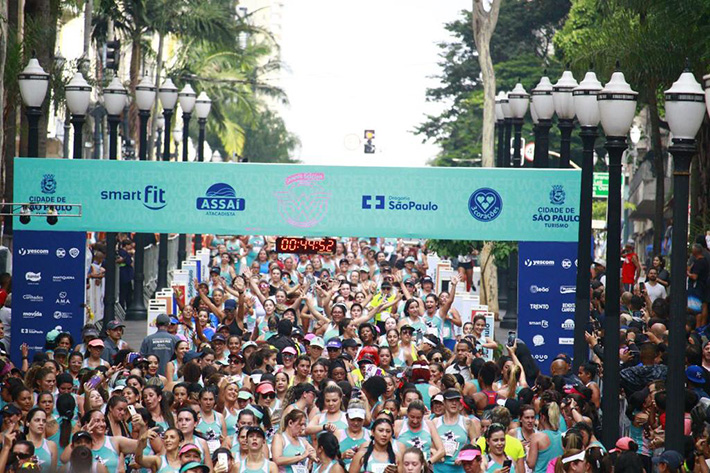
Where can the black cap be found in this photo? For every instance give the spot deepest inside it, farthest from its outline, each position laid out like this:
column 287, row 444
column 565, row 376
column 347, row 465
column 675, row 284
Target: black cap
column 218, row 337
column 254, row 429
column 10, row 410
column 350, row 343
column 386, row 284
column 426, row 279
column 450, row 394
column 82, row 434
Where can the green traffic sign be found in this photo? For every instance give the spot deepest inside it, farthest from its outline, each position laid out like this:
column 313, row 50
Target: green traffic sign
column 600, row 185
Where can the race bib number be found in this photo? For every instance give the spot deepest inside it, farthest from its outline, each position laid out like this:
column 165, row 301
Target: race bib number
column 451, row 447
column 299, row 468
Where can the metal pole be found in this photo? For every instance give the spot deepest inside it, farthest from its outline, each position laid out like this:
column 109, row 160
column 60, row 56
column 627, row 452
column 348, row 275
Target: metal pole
column 137, row 309
column 584, row 248
column 501, row 143
column 542, row 156
column 566, row 126
column 683, row 152
column 200, row 158
column 536, row 150
column 518, row 124
column 182, row 239
column 163, row 247
column 508, row 122
column 110, row 294
column 615, row 145
column 33, row 114
column 510, row 320
column 78, row 122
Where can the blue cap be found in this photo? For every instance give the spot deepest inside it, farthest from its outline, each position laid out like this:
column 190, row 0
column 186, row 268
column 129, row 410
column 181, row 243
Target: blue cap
column 191, row 355
column 334, row 343
column 671, row 458
column 230, row 304
column 694, row 373
column 174, row 321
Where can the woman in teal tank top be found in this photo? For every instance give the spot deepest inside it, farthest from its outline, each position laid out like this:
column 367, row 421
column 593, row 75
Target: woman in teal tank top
column 333, row 418
column 289, row 450
column 546, row 444
column 167, row 463
column 103, row 446
column 255, row 461
column 45, row 451
column 495, row 446
column 211, row 424
column 352, row 438
column 382, row 453
column 455, row 432
column 416, row 431
column 328, row 453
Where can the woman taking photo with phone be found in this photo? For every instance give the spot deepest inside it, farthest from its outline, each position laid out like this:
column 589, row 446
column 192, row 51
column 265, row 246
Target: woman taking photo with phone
column 352, row 438
column 497, row 460
column 166, row 463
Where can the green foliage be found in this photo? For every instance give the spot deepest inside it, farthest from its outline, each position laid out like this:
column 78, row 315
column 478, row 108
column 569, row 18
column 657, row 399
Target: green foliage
column 520, row 51
column 268, row 140
column 453, row 248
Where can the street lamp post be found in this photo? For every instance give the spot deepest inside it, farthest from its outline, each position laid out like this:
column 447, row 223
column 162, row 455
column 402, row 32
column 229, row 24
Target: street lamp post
column 187, row 98
column 34, row 82
column 587, row 111
column 544, row 106
column 500, row 125
column 685, row 110
column 617, row 106
column 536, row 131
column 202, row 108
column 507, row 125
column 145, row 96
column 564, row 106
column 518, row 99
column 168, row 95
column 78, row 93
column 115, row 99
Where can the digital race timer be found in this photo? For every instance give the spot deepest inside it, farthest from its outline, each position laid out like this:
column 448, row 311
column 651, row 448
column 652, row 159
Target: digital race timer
column 305, row 245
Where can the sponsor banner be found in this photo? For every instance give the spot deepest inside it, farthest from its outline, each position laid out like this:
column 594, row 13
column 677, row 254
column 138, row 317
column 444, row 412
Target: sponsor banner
column 275, row 199
column 48, row 284
column 546, row 292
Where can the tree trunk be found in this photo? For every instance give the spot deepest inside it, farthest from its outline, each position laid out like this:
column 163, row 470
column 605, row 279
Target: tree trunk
column 484, row 19
column 4, row 30
column 700, row 181
column 489, row 278
column 135, row 71
column 154, row 122
column 659, row 169
column 11, row 102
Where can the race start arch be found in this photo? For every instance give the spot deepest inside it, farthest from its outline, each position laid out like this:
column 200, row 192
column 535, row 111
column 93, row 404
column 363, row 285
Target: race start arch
column 536, row 206
column 273, row 199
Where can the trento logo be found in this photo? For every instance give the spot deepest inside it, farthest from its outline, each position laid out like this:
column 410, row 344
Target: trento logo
column 220, row 200
column 568, row 289
column 538, row 262
column 485, row 204
column 538, row 289
column 539, row 306
column 568, row 324
column 152, row 197
column 33, row 277
column 379, row 202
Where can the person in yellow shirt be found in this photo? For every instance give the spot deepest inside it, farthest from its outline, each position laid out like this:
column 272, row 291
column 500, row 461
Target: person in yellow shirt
column 513, row 447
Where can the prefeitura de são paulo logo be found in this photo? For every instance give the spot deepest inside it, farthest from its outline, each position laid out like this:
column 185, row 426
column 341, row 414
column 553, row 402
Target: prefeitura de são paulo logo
column 304, row 202
column 48, row 184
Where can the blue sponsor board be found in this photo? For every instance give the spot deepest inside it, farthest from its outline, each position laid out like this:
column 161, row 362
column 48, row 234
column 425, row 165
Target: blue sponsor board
column 546, row 292
column 48, row 287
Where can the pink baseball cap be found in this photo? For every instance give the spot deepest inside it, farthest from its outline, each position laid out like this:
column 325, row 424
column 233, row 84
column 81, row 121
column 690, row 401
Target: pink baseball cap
column 265, row 388
column 623, row 444
column 188, row 447
column 310, row 336
column 468, row 455
column 290, row 350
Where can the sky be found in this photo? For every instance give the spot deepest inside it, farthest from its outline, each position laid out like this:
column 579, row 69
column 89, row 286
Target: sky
column 362, row 65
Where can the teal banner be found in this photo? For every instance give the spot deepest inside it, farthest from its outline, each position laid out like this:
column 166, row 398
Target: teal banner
column 275, row 199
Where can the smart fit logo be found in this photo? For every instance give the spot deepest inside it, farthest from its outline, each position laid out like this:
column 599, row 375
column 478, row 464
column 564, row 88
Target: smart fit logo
column 379, row 201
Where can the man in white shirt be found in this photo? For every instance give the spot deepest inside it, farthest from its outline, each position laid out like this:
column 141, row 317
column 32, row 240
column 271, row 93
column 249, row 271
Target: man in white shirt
column 654, row 289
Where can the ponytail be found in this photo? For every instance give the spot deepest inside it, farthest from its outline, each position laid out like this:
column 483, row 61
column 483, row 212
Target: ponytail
column 66, row 406
column 551, row 410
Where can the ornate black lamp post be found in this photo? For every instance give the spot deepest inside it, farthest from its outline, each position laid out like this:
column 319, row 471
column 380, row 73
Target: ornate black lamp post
column 34, row 82
column 202, row 108
column 518, row 99
column 544, row 106
column 564, row 106
column 500, row 126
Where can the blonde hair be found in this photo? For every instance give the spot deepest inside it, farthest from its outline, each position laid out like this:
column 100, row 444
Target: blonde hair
column 551, row 410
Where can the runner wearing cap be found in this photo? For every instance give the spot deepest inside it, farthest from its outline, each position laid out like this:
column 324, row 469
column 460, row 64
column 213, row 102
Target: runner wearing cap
column 355, row 435
column 95, row 348
column 256, row 461
column 455, row 431
column 470, row 458
column 189, row 452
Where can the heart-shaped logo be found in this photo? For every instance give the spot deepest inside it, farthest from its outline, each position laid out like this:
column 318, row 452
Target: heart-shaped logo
column 485, row 204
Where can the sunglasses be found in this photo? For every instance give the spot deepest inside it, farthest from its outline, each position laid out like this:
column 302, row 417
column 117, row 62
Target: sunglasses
column 333, row 349
column 235, row 361
column 23, row 456
column 287, row 355
column 269, row 396
column 436, row 360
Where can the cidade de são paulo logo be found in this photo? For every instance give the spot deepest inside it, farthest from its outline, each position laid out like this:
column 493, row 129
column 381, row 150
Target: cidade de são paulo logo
column 556, row 216
column 220, row 200
column 152, row 197
column 485, row 204
column 394, row 202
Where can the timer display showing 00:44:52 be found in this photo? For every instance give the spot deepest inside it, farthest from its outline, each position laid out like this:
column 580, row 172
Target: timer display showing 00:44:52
column 305, row 245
